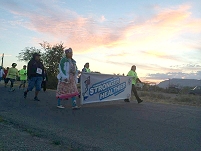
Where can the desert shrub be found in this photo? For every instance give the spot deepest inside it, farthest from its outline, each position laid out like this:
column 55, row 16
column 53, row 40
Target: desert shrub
column 161, row 96
column 153, row 95
column 183, row 99
column 188, row 99
column 142, row 93
column 185, row 90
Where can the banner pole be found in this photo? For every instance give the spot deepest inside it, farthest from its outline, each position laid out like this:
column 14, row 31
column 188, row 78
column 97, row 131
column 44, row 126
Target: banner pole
column 81, row 96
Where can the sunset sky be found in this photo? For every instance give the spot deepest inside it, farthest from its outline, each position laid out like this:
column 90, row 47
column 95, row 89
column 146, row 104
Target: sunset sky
column 162, row 38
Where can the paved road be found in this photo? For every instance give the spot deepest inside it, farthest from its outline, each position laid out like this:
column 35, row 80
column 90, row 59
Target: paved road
column 111, row 126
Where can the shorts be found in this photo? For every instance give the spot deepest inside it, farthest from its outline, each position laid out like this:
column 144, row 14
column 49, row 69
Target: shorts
column 9, row 79
column 35, row 82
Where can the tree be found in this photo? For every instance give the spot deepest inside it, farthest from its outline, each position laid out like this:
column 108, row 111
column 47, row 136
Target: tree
column 27, row 53
column 52, row 57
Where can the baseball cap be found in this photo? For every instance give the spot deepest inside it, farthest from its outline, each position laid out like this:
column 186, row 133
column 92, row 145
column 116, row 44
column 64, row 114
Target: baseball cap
column 36, row 54
column 14, row 64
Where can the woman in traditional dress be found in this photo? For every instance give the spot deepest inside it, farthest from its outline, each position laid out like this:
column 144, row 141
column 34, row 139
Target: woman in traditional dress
column 67, row 79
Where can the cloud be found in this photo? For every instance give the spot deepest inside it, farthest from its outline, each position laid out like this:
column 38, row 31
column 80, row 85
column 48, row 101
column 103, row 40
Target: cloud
column 166, row 24
column 102, row 18
column 170, row 75
column 85, row 32
column 80, row 32
column 160, row 54
column 188, row 67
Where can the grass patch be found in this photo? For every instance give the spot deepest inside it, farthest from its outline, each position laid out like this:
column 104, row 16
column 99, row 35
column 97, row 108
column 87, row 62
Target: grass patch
column 1, row 119
column 69, row 148
column 189, row 100
column 183, row 99
column 73, row 149
column 152, row 95
column 56, row 142
column 32, row 133
column 1, row 147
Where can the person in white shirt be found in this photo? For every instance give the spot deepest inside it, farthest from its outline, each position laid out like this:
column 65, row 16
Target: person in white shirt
column 1, row 73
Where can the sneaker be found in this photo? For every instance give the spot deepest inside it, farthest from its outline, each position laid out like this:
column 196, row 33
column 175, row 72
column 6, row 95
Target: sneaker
column 12, row 89
column 75, row 107
column 126, row 100
column 25, row 94
column 60, row 106
column 140, row 101
column 36, row 99
column 74, row 103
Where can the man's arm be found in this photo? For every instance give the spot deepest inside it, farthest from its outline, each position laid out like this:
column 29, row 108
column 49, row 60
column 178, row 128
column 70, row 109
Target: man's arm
column 138, row 80
column 29, row 69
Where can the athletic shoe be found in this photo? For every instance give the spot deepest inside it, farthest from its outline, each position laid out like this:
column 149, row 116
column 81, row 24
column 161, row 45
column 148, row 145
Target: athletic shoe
column 36, row 99
column 12, row 89
column 126, row 100
column 60, row 106
column 140, row 101
column 25, row 94
column 75, row 107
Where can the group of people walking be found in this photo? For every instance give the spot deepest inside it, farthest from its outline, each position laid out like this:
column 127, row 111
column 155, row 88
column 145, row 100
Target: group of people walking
column 12, row 74
column 67, row 78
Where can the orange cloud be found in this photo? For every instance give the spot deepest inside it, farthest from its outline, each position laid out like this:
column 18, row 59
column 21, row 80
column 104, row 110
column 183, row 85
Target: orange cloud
column 86, row 33
column 164, row 25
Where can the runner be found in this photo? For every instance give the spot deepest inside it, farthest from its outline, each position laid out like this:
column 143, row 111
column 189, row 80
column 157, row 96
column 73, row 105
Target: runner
column 23, row 76
column 11, row 76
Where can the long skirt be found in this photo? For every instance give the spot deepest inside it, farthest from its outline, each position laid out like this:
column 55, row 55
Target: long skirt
column 67, row 90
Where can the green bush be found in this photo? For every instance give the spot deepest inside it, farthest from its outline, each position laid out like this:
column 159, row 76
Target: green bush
column 185, row 90
column 52, row 83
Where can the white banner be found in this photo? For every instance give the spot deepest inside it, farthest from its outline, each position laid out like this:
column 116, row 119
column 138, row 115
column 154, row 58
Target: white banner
column 103, row 87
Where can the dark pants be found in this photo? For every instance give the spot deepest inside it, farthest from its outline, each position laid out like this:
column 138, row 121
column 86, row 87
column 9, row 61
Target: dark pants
column 23, row 82
column 135, row 92
column 11, row 81
column 43, row 85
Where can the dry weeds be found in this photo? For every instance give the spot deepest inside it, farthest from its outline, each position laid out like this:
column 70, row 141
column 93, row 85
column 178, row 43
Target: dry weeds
column 160, row 97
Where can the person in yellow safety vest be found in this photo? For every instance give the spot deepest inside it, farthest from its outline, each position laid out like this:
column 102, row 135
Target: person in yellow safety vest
column 86, row 68
column 135, row 79
column 23, row 77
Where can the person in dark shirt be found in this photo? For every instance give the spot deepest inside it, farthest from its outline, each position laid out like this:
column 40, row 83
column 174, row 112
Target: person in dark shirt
column 35, row 74
column 5, row 74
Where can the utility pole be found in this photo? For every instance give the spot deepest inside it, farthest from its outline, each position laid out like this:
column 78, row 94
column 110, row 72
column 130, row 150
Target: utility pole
column 2, row 59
